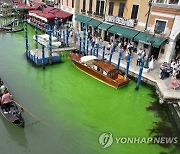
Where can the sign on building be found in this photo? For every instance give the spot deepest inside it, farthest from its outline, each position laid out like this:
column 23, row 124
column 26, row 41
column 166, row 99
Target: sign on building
column 120, row 21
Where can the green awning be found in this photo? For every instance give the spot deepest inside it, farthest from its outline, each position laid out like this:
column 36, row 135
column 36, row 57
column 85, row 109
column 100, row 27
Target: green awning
column 82, row 19
column 104, row 26
column 125, row 32
column 149, row 39
column 143, row 38
column 94, row 23
column 158, row 41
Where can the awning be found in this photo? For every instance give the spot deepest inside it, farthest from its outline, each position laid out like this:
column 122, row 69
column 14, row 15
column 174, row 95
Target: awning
column 158, row 42
column 48, row 8
column 104, row 26
column 62, row 15
column 125, row 32
column 149, row 39
column 94, row 23
column 82, row 19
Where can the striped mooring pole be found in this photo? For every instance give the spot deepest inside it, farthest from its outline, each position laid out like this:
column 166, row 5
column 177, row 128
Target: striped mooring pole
column 50, row 46
column 43, row 57
column 97, row 49
column 111, row 53
column 140, row 75
column 127, row 65
column 87, row 45
column 64, row 37
column 103, row 52
column 119, row 59
column 26, row 36
column 80, row 40
column 91, row 51
column 56, row 26
column 36, row 34
column 84, row 39
column 67, row 33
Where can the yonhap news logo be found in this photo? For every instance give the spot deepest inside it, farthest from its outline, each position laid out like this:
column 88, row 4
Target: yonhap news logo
column 107, row 139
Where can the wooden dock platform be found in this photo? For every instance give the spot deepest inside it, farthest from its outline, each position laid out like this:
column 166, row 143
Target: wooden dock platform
column 36, row 56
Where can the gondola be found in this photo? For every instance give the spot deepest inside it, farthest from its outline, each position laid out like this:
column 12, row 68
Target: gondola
column 14, row 116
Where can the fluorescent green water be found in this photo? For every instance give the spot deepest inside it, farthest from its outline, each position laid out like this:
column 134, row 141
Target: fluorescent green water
column 76, row 107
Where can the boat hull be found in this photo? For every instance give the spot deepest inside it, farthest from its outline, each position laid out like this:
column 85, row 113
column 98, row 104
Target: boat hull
column 14, row 117
column 95, row 74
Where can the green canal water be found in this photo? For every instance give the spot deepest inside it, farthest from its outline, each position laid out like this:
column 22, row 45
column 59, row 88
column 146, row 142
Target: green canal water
column 75, row 108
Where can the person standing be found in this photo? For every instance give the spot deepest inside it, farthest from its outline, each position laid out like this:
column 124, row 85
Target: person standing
column 151, row 63
column 6, row 100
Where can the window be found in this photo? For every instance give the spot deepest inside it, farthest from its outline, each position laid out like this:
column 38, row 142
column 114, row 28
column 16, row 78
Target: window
column 159, row 26
column 84, row 5
column 62, row 2
column 134, row 11
column 173, row 1
column 67, row 2
column 121, row 9
column 97, row 7
column 111, row 7
column 72, row 3
column 102, row 8
column 160, row 1
column 90, row 5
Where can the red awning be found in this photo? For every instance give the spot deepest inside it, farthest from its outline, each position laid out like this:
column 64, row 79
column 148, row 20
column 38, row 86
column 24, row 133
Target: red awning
column 34, row 11
column 54, row 11
column 62, row 15
column 48, row 8
column 48, row 16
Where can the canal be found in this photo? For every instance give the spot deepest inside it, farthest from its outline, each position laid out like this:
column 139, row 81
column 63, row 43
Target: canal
column 75, row 109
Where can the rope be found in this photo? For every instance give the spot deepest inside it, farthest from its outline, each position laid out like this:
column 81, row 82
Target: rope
column 38, row 119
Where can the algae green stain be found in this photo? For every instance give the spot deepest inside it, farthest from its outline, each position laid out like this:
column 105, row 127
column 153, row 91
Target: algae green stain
column 76, row 107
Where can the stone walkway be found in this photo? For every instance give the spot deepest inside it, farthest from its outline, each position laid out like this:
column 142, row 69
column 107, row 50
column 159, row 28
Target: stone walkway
column 166, row 93
column 151, row 77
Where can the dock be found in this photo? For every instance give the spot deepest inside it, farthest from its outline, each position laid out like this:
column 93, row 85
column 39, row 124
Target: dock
column 36, row 56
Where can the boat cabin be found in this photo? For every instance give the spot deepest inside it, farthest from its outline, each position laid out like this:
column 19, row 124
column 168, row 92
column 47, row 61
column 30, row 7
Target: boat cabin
column 102, row 66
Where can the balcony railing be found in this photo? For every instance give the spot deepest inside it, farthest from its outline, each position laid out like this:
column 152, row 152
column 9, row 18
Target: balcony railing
column 83, row 11
column 99, row 15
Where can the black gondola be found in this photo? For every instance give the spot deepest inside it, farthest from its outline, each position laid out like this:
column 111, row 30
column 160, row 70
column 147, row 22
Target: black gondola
column 14, row 116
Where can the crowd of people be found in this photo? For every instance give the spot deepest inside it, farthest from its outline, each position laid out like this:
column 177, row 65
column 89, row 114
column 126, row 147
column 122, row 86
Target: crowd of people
column 127, row 48
column 5, row 98
column 172, row 69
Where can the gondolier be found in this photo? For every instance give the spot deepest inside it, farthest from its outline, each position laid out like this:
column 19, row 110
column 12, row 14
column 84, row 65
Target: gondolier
column 6, row 101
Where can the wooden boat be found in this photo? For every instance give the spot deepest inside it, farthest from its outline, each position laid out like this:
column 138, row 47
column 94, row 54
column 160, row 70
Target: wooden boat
column 99, row 69
column 14, row 116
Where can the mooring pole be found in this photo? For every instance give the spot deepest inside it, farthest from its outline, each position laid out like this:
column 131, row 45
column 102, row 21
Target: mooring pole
column 103, row 52
column 26, row 36
column 111, row 53
column 84, row 39
column 50, row 46
column 140, row 75
column 127, row 65
column 36, row 34
column 119, row 59
column 43, row 57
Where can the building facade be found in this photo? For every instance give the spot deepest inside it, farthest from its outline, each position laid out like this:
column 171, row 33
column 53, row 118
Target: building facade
column 126, row 20
column 164, row 21
column 71, row 6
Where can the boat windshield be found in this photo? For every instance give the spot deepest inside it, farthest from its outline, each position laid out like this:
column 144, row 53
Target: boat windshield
column 87, row 59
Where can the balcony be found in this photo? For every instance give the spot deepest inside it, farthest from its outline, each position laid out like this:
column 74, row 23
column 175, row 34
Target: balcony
column 99, row 15
column 83, row 11
column 172, row 4
column 89, row 12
